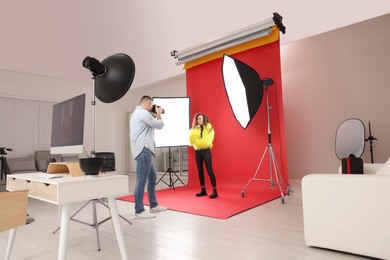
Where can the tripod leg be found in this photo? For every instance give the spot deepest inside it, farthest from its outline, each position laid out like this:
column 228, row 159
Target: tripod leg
column 257, row 170
column 3, row 172
column 281, row 177
column 1, row 169
column 171, row 183
column 178, row 178
column 161, row 178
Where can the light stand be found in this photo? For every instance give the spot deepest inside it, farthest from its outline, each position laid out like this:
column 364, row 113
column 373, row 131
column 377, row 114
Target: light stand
column 170, row 171
column 272, row 160
column 111, row 79
column 95, row 224
column 93, row 104
column 371, row 139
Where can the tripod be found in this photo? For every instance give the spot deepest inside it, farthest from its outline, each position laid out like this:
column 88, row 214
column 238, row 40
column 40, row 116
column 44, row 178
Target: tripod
column 272, row 161
column 371, row 139
column 170, row 171
column 4, row 167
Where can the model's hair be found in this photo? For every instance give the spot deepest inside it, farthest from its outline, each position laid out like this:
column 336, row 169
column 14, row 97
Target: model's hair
column 205, row 120
column 145, row 98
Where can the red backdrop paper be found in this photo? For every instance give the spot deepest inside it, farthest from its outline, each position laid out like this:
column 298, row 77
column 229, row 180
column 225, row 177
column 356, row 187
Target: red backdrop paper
column 237, row 152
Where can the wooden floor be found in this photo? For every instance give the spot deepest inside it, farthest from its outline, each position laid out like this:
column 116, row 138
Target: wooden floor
column 270, row 231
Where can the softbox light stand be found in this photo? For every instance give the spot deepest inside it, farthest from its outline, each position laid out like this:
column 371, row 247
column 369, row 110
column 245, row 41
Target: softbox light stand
column 95, row 223
column 170, row 172
column 275, row 176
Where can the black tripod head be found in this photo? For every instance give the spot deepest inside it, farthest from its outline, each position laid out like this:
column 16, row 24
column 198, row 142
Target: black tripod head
column 4, row 149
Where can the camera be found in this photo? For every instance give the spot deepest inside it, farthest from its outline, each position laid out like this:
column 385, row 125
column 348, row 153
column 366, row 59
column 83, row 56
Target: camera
column 154, row 109
column 3, row 150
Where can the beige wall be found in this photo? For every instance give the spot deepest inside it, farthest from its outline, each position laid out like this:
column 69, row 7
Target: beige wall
column 326, row 79
column 331, row 77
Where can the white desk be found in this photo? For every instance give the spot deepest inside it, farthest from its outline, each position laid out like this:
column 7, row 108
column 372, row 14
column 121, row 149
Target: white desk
column 67, row 190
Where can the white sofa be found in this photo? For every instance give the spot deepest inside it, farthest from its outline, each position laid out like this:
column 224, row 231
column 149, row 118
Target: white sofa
column 349, row 213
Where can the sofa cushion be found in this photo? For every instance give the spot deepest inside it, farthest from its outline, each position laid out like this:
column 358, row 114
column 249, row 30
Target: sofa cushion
column 385, row 169
column 22, row 164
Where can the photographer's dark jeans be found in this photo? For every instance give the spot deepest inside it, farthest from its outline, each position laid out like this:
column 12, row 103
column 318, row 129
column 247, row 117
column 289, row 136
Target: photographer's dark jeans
column 205, row 156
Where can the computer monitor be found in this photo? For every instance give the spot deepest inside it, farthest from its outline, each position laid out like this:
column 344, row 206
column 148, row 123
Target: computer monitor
column 67, row 131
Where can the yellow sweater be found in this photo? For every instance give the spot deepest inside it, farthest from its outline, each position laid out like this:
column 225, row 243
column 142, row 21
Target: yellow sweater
column 204, row 142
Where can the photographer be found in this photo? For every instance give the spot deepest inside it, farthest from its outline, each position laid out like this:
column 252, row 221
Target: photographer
column 142, row 125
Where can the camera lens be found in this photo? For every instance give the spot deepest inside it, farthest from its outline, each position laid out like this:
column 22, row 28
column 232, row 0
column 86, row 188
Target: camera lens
column 154, row 109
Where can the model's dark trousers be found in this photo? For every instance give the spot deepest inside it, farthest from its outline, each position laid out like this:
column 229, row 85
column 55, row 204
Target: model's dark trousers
column 205, row 156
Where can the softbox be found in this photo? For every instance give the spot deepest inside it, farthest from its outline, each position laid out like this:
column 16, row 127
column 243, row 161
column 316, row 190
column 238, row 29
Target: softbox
column 243, row 88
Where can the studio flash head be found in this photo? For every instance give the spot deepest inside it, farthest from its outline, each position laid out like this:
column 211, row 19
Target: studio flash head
column 94, row 66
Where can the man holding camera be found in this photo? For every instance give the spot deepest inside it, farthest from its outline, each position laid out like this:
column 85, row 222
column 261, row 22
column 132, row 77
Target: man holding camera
column 142, row 125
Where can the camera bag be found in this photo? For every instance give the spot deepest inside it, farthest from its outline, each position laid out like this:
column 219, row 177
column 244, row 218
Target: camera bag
column 352, row 165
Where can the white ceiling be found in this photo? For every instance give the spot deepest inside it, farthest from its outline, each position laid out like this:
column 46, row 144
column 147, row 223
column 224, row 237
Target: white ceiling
column 51, row 38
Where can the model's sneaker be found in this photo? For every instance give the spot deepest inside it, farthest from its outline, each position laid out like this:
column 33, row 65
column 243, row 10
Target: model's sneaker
column 145, row 215
column 158, row 208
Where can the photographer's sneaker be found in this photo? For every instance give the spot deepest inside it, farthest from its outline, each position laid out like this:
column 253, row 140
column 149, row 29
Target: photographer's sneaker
column 145, row 215
column 158, row 208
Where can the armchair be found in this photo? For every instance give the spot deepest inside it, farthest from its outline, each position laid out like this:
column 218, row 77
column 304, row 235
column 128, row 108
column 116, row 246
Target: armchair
column 348, row 213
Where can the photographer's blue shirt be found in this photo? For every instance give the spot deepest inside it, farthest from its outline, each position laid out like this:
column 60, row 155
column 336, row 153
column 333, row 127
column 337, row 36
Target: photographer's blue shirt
column 142, row 125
